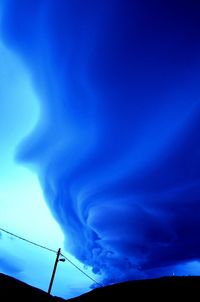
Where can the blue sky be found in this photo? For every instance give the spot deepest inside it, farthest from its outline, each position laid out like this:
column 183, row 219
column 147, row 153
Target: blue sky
column 100, row 136
column 23, row 207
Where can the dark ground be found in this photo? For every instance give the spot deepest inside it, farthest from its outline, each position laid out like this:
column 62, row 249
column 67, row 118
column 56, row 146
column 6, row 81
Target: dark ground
column 13, row 290
column 161, row 289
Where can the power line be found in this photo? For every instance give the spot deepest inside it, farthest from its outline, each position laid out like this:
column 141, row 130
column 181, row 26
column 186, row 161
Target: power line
column 53, row 251
column 31, row 242
column 81, row 270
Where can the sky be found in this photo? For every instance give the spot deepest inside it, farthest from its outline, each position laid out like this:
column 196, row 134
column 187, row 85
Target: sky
column 99, row 132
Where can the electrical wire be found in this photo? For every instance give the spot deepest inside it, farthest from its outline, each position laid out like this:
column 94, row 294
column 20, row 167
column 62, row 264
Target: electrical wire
column 53, row 251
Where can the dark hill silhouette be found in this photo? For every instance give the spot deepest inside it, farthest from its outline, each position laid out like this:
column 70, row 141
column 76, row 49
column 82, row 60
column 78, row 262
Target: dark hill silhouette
column 13, row 290
column 160, row 289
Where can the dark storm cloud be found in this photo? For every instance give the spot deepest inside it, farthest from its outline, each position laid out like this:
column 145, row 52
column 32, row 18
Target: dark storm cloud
column 117, row 146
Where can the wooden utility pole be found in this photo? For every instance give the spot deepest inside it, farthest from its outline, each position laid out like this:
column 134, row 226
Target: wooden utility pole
column 54, row 270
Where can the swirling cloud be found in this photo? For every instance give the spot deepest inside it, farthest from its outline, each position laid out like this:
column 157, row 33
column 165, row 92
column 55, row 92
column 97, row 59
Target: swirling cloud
column 117, row 147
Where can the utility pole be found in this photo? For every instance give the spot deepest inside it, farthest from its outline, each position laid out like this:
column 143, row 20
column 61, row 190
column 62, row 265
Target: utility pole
column 54, row 270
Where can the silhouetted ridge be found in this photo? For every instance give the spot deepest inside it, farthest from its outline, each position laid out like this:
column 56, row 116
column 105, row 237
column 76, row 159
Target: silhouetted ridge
column 12, row 289
column 160, row 289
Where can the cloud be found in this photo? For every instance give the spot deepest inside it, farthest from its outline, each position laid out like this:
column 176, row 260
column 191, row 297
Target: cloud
column 9, row 267
column 117, row 145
